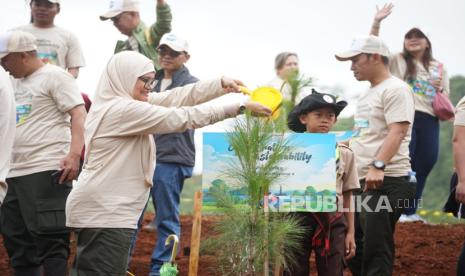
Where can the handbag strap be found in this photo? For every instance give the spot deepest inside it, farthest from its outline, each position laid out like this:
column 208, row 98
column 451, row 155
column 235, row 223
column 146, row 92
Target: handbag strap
column 440, row 69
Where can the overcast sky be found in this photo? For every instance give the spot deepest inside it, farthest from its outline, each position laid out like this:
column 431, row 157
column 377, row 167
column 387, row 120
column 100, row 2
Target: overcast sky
column 240, row 38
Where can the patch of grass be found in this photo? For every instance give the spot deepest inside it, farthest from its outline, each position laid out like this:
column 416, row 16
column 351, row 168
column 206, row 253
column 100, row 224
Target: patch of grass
column 439, row 217
column 191, row 185
column 187, row 196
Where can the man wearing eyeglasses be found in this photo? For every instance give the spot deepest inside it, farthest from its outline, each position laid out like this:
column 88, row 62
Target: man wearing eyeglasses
column 143, row 39
column 175, row 152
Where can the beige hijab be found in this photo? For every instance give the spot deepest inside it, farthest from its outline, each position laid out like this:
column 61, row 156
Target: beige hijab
column 115, row 88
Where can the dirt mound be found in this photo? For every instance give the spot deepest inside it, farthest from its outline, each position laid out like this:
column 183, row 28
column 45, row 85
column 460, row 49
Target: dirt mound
column 421, row 249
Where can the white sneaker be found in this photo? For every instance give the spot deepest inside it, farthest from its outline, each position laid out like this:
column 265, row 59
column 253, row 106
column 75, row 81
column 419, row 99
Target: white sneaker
column 404, row 218
column 416, row 217
column 151, row 227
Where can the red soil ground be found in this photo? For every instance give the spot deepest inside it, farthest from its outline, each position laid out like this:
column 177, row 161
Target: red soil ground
column 421, row 249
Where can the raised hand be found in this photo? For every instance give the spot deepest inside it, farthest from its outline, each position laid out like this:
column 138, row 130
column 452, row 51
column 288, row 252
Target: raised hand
column 384, row 12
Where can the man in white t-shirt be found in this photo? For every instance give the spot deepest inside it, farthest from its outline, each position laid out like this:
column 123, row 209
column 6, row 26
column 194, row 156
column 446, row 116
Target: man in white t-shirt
column 49, row 137
column 55, row 45
column 7, row 128
column 383, row 126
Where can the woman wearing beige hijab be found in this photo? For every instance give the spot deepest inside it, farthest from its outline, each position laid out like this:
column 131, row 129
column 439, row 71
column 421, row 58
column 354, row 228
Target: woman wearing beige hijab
column 114, row 185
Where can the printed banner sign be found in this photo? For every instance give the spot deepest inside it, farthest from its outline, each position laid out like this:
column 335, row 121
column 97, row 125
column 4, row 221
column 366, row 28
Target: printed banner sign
column 308, row 173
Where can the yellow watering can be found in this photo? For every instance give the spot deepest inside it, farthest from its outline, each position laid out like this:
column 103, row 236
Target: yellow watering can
column 267, row 96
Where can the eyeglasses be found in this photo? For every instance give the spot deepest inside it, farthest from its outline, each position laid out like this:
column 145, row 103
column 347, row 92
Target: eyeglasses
column 165, row 51
column 148, row 83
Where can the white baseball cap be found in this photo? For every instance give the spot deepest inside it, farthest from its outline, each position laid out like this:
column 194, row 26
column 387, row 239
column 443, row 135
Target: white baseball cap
column 175, row 42
column 117, row 7
column 364, row 44
column 16, row 42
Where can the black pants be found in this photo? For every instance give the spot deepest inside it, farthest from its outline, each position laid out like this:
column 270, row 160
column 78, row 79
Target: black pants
column 375, row 226
column 102, row 251
column 33, row 220
column 424, row 152
column 461, row 262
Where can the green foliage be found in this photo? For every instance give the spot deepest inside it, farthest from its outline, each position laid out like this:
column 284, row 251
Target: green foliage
column 326, row 193
column 221, row 192
column 243, row 241
column 437, row 185
column 310, row 191
column 297, row 82
column 343, row 124
column 248, row 236
column 281, row 121
column 248, row 139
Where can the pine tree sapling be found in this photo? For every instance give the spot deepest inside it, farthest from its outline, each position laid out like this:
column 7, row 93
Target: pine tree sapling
column 247, row 236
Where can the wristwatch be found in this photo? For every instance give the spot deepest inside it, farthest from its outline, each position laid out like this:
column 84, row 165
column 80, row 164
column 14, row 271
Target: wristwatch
column 378, row 164
column 241, row 109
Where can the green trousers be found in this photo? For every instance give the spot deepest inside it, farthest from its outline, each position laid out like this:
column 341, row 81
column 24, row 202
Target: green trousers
column 102, row 251
column 33, row 221
column 375, row 226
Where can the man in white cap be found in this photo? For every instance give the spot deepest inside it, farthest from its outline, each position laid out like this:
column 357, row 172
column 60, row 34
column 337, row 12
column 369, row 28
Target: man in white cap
column 49, row 137
column 176, row 151
column 7, row 128
column 383, row 125
column 55, row 45
column 175, row 155
column 145, row 40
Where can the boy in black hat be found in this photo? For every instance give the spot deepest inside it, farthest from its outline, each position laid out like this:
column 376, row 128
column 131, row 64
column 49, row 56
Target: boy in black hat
column 331, row 235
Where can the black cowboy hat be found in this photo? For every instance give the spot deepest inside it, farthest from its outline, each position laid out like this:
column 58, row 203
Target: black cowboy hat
column 311, row 102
